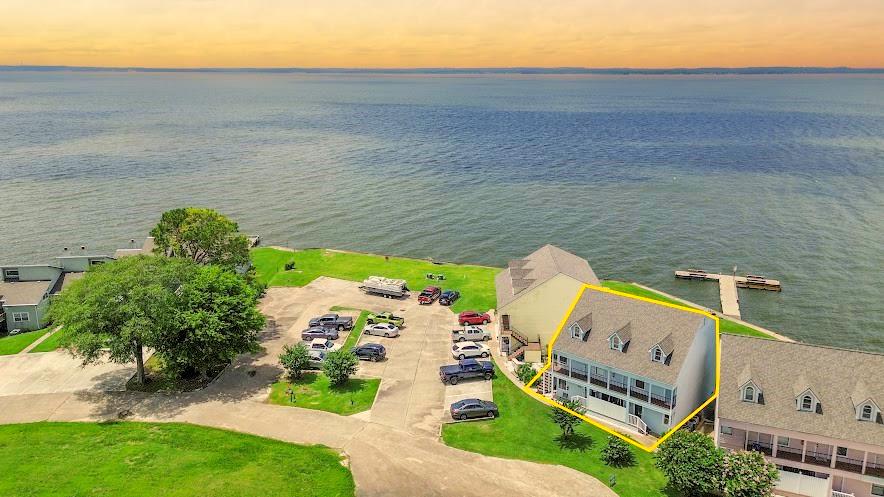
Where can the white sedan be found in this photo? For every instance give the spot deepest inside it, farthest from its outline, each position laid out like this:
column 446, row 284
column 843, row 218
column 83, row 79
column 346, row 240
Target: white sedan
column 382, row 329
column 324, row 345
column 463, row 350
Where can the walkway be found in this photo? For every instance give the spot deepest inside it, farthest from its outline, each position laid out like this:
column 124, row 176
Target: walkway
column 399, row 458
column 730, row 299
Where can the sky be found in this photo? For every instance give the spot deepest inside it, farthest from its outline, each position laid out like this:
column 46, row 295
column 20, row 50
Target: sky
column 449, row 33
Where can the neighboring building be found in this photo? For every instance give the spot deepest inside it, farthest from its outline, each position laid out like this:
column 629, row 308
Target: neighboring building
column 816, row 412
column 532, row 296
column 145, row 249
column 634, row 363
column 25, row 290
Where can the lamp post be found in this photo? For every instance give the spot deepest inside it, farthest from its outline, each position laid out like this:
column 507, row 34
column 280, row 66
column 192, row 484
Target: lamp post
column 291, row 394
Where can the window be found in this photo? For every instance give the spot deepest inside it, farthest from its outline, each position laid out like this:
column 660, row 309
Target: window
column 807, row 403
column 576, row 332
column 616, row 344
column 842, row 451
column 877, row 490
column 749, row 394
column 563, row 361
column 640, row 384
column 866, row 412
column 20, row 317
column 783, row 441
column 11, row 274
column 665, row 419
column 563, row 385
column 726, row 430
column 657, row 355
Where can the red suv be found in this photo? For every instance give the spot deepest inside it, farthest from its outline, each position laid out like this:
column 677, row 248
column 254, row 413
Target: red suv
column 429, row 295
column 472, row 317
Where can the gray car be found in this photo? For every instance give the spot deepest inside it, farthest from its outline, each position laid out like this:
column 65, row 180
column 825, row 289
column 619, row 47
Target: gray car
column 474, row 408
column 315, row 332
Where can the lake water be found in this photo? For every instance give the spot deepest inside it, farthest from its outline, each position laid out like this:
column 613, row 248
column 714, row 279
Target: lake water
column 778, row 175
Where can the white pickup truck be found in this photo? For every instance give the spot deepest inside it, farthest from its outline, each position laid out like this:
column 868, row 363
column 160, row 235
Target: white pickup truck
column 471, row 334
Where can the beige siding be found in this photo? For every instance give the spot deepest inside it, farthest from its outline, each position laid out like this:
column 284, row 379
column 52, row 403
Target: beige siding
column 540, row 311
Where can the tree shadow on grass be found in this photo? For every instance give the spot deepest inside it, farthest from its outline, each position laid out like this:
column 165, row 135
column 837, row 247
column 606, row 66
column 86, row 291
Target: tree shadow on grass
column 575, row 441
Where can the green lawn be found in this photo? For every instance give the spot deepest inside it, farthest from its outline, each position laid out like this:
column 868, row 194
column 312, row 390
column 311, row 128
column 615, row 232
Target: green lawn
column 53, row 342
column 313, row 391
column 725, row 324
column 475, row 283
column 525, row 431
column 172, row 460
column 16, row 343
column 356, row 332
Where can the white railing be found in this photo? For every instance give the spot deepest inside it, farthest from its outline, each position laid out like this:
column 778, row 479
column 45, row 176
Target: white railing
column 836, row 493
column 638, row 423
column 580, row 399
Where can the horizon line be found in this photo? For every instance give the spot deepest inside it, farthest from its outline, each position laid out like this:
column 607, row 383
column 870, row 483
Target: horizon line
column 469, row 70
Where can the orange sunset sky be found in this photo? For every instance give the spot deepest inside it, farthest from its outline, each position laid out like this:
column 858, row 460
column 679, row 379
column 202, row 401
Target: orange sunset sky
column 451, row 33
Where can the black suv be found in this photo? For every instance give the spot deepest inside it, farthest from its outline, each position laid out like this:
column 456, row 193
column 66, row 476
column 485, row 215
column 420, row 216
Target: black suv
column 448, row 297
column 373, row 352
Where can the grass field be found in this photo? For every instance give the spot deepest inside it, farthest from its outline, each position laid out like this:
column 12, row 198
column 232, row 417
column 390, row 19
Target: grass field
column 172, row 460
column 53, row 342
column 16, row 343
column 475, row 283
column 313, row 391
column 725, row 324
column 525, row 431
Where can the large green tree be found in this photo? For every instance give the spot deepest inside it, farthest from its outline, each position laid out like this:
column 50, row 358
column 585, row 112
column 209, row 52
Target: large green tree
column 747, row 474
column 202, row 235
column 215, row 318
column 691, row 462
column 118, row 309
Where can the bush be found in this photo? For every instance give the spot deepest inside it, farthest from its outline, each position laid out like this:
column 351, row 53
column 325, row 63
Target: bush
column 747, row 474
column 339, row 365
column 691, row 462
column 564, row 419
column 617, row 453
column 295, row 360
column 525, row 372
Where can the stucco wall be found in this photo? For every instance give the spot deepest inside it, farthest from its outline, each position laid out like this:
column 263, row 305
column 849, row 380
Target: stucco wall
column 696, row 380
column 80, row 263
column 539, row 311
column 33, row 313
column 35, row 273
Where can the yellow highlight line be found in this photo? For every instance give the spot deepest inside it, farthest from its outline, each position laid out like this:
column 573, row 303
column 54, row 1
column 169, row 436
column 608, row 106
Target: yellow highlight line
column 647, row 448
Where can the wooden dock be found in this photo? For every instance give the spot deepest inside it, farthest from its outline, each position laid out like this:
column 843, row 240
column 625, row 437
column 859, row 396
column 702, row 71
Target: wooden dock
column 728, row 284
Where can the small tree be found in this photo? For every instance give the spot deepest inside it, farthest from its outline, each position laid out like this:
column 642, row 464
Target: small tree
column 202, row 235
column 617, row 453
column 747, row 474
column 525, row 372
column 295, row 360
column 566, row 420
column 691, row 462
column 339, row 365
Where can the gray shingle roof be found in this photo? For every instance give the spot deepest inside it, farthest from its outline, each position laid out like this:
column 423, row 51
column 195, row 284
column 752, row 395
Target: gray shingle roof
column 23, row 292
column 584, row 322
column 646, row 324
column 522, row 275
column 780, row 369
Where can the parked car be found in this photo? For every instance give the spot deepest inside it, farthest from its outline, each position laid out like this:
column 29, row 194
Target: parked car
column 385, row 317
column 381, row 329
column 324, row 345
column 448, row 297
column 474, row 408
column 319, row 332
column 473, row 317
column 333, row 321
column 463, row 350
column 471, row 333
column 317, row 357
column 373, row 352
column 429, row 295
column 466, row 368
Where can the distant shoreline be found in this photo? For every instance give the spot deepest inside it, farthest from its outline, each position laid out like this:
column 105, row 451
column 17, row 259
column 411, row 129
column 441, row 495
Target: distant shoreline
column 478, row 70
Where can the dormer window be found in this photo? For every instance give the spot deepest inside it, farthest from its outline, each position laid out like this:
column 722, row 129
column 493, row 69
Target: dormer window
column 576, row 332
column 807, row 403
column 866, row 412
column 657, row 355
column 749, row 394
column 616, row 343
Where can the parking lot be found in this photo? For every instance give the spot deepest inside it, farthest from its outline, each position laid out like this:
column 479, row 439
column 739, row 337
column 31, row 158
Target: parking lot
column 411, row 396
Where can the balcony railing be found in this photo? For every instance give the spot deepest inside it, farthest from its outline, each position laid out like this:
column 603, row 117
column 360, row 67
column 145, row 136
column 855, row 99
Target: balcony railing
column 557, row 368
column 661, row 401
column 763, row 447
column 836, row 493
column 790, row 453
column 578, row 375
column 639, row 394
column 617, row 387
column 848, row 464
column 875, row 469
column 598, row 380
column 819, row 458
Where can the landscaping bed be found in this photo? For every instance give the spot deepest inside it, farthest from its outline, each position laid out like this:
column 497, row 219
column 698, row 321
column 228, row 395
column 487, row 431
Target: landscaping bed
column 313, row 391
column 157, row 380
column 172, row 460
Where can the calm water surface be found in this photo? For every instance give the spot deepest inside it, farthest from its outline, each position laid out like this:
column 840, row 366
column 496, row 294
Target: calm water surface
column 778, row 175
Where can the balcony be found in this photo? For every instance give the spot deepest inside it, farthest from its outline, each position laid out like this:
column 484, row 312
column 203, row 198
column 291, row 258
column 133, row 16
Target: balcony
column 557, row 368
column 578, row 375
column 598, row 380
column 661, row 401
column 790, row 453
column 818, row 458
column 617, row 387
column 639, row 394
column 848, row 464
column 763, row 447
column 875, row 469
column 836, row 493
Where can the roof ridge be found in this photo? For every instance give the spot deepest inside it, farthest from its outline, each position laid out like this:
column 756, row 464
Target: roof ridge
column 829, row 347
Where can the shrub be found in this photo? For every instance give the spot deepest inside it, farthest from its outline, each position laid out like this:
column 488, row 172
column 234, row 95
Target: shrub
column 617, row 453
column 339, row 365
column 564, row 419
column 295, row 360
column 691, row 462
column 525, row 372
column 747, row 474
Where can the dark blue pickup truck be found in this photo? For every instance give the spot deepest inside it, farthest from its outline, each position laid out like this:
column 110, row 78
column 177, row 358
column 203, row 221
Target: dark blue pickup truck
column 466, row 368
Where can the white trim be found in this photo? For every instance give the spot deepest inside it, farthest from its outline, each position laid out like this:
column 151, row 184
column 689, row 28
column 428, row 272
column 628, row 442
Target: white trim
column 17, row 317
column 576, row 331
column 656, row 349
column 619, row 342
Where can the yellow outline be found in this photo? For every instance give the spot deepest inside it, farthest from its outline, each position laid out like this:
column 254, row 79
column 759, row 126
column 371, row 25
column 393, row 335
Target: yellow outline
column 545, row 400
